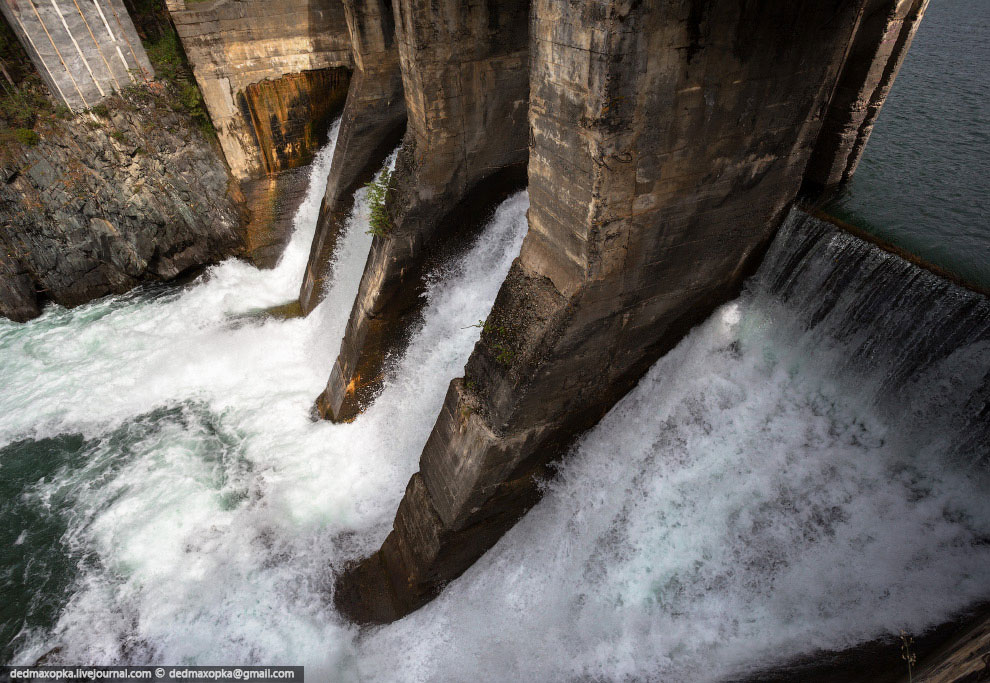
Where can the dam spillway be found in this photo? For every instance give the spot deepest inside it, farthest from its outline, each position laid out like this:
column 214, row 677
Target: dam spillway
column 189, row 479
column 797, row 466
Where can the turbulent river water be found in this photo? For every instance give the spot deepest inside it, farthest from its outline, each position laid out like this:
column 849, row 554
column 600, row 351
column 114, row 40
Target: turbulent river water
column 805, row 470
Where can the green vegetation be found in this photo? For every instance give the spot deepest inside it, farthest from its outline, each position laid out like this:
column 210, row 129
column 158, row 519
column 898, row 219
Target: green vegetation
column 498, row 337
column 169, row 59
column 23, row 98
column 26, row 136
column 101, row 110
column 166, row 56
column 379, row 190
column 21, row 107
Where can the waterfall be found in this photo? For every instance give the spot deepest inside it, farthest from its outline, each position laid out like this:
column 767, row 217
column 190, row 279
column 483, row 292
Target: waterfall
column 911, row 343
column 805, row 471
column 167, row 496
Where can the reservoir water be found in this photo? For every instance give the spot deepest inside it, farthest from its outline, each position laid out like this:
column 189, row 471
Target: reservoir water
column 806, row 470
column 923, row 180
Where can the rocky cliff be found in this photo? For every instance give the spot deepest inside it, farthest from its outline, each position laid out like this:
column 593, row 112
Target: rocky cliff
column 96, row 204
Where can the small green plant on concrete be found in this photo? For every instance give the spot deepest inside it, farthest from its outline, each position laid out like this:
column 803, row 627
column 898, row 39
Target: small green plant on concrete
column 379, row 218
column 907, row 654
column 503, row 352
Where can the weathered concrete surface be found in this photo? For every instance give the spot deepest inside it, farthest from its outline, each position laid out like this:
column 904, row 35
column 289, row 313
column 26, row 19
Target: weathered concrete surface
column 879, row 49
column 95, row 209
column 668, row 140
column 371, row 126
column 290, row 118
column 964, row 659
column 233, row 44
column 273, row 75
column 84, row 51
column 465, row 72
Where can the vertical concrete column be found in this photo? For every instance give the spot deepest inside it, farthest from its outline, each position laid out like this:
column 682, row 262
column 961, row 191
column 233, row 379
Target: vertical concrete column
column 465, row 75
column 881, row 44
column 371, row 126
column 668, row 140
column 84, row 49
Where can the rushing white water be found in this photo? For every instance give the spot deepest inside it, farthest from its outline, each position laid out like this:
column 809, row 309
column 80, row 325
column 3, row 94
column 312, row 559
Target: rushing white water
column 746, row 503
column 207, row 509
column 772, row 487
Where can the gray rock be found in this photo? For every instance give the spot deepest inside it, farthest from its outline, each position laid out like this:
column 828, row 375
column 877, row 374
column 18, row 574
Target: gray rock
column 98, row 209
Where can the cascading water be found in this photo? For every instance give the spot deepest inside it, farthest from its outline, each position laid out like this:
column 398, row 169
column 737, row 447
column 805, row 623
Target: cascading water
column 167, row 496
column 803, row 471
column 790, row 478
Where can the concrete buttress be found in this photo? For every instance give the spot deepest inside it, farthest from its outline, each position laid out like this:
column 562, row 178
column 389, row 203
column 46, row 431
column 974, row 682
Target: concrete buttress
column 668, row 141
column 465, row 71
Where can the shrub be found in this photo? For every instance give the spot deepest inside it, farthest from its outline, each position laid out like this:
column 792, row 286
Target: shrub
column 26, row 136
column 380, row 219
column 166, row 56
column 20, row 108
column 169, row 60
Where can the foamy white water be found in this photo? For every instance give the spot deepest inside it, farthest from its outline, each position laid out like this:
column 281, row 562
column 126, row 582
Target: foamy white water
column 739, row 507
column 727, row 515
column 209, row 510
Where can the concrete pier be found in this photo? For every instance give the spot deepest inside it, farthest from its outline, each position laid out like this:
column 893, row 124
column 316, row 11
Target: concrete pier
column 371, row 126
column 465, row 68
column 668, row 140
column 881, row 44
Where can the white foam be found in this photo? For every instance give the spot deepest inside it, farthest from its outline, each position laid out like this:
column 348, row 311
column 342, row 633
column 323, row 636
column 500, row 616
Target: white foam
column 737, row 508
column 726, row 515
column 215, row 519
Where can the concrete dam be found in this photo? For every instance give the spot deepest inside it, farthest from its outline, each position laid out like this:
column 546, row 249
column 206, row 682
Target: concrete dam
column 662, row 145
column 628, row 195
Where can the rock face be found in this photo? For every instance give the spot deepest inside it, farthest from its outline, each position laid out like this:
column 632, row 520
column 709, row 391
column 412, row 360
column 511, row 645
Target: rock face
column 371, row 126
column 99, row 206
column 668, row 140
column 465, row 70
column 882, row 42
column 274, row 76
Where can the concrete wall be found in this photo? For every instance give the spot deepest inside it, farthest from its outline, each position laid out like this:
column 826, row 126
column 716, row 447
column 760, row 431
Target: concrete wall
column 83, row 49
column 233, row 44
column 274, row 75
column 882, row 42
column 668, row 139
column 371, row 126
column 465, row 67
